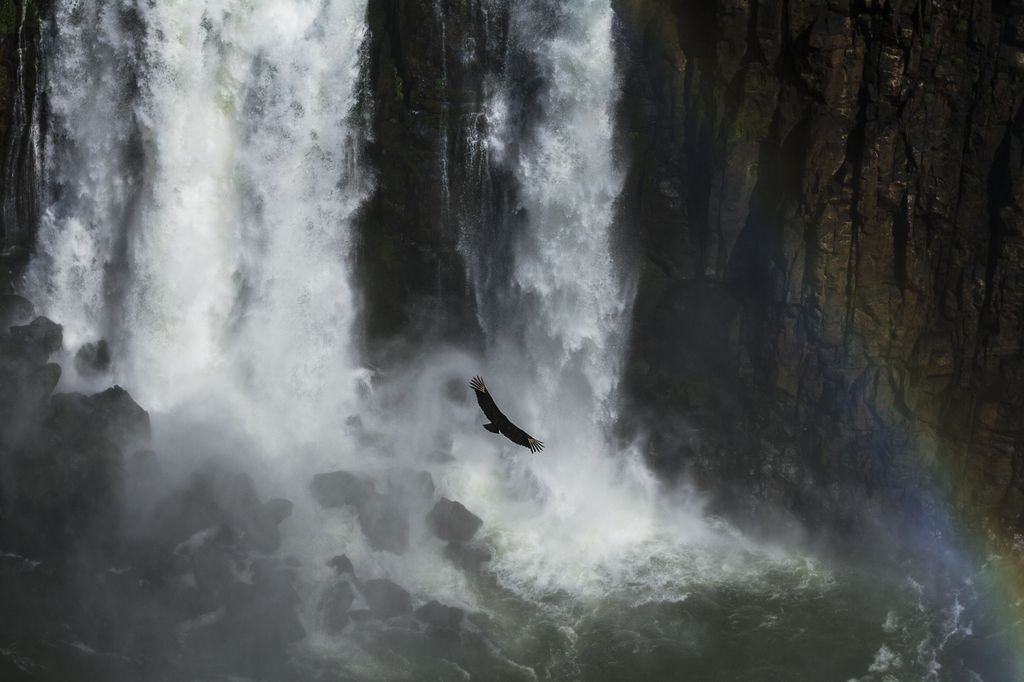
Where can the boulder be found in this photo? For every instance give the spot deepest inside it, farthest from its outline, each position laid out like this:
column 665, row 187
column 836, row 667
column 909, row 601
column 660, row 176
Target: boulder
column 385, row 598
column 382, row 518
column 452, row 522
column 41, row 381
column 342, row 565
column 335, row 605
column 37, row 340
column 438, row 615
column 14, row 310
column 215, row 497
column 93, row 359
column 121, row 418
column 469, row 557
column 341, row 488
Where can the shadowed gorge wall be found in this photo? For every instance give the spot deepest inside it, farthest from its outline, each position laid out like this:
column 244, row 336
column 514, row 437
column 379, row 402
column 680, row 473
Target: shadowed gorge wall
column 21, row 28
column 425, row 88
column 828, row 195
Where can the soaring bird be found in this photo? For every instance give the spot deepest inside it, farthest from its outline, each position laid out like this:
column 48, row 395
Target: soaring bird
column 499, row 422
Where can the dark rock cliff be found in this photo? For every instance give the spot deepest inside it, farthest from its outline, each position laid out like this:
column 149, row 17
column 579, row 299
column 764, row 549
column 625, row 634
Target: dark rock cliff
column 426, row 78
column 21, row 30
column 827, row 200
column 826, row 196
column 829, row 197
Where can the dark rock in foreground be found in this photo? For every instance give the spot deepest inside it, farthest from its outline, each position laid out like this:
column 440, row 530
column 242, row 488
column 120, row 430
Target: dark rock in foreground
column 385, row 598
column 469, row 557
column 217, row 498
column 382, row 518
column 438, row 615
column 14, row 310
column 93, row 359
column 452, row 522
column 35, row 341
column 111, row 415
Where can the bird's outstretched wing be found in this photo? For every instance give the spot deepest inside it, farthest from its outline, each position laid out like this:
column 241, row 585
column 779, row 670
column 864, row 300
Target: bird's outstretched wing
column 486, row 402
column 520, row 437
column 505, row 427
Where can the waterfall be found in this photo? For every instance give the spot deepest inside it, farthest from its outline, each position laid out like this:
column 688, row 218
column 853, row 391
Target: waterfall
column 555, row 299
column 205, row 178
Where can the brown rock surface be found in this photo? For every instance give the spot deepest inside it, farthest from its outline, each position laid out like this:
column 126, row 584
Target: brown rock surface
column 828, row 199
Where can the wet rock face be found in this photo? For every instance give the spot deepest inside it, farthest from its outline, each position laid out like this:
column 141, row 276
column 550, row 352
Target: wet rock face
column 335, row 606
column 383, row 518
column 215, row 498
column 35, row 341
column 385, row 598
column 93, row 359
column 438, row 615
column 62, row 456
column 22, row 23
column 14, row 310
column 342, row 565
column 827, row 204
column 452, row 522
column 470, row 557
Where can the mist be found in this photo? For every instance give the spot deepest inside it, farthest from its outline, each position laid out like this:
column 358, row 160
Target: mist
column 271, row 490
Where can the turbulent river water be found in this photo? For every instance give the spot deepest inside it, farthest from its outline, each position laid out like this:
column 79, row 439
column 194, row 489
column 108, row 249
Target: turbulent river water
column 203, row 179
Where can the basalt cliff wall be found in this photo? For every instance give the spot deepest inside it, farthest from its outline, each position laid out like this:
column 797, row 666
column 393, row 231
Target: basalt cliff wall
column 828, row 198
column 22, row 29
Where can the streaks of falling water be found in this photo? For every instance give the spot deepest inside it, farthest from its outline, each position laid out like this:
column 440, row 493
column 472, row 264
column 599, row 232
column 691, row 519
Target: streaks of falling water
column 92, row 178
column 555, row 306
column 566, row 302
column 234, row 249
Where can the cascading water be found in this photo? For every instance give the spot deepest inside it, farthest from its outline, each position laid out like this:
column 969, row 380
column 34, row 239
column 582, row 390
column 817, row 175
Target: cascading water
column 223, row 264
column 557, row 314
column 204, row 176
